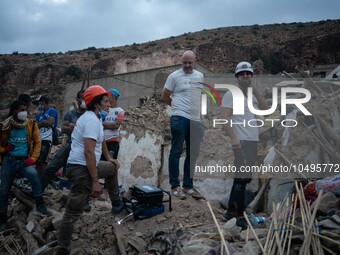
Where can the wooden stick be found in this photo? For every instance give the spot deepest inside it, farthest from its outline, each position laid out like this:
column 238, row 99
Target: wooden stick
column 323, row 143
column 290, row 163
column 292, row 222
column 306, row 242
column 120, row 244
column 254, row 204
column 219, row 231
column 197, row 225
column 268, row 236
column 328, row 250
column 273, row 244
column 309, row 80
column 332, row 241
column 286, row 219
column 313, row 240
column 31, row 243
column 277, row 235
column 289, row 75
column 247, row 236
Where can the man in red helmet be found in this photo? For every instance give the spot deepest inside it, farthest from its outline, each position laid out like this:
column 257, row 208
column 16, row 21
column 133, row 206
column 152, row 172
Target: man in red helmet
column 83, row 168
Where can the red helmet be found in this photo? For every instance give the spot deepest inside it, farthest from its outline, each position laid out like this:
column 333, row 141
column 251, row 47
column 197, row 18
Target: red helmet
column 94, row 91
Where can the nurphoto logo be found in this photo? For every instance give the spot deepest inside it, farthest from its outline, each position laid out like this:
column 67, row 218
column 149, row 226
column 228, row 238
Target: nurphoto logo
column 238, row 105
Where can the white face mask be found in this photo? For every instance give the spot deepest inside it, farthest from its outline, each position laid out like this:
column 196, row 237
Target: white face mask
column 22, row 116
column 83, row 105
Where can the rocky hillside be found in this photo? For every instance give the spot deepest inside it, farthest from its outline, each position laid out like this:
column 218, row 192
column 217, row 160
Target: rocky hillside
column 279, row 46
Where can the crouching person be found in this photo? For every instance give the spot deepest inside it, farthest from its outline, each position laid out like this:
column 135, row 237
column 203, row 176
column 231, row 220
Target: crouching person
column 83, row 166
column 21, row 142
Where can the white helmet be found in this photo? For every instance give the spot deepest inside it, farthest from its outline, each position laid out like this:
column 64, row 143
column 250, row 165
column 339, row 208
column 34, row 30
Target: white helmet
column 243, row 66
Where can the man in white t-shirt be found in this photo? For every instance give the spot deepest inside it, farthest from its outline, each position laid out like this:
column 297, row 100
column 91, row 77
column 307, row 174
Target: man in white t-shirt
column 244, row 138
column 182, row 92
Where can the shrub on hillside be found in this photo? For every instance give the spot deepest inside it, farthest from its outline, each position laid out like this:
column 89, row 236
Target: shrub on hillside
column 74, row 71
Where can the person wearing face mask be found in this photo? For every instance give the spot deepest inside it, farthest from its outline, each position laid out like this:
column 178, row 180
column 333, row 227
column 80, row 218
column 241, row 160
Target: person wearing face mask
column 27, row 100
column 47, row 119
column 67, row 126
column 244, row 138
column 84, row 167
column 111, row 122
column 21, row 142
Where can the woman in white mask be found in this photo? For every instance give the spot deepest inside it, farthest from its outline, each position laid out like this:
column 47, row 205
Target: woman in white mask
column 20, row 144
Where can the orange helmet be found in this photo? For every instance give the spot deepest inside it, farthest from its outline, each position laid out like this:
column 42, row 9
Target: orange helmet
column 92, row 92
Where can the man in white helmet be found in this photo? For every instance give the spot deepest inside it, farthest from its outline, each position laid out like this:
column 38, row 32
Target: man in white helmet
column 244, row 138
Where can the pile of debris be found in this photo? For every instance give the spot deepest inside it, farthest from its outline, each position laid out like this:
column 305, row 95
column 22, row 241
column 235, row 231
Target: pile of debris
column 150, row 116
column 306, row 220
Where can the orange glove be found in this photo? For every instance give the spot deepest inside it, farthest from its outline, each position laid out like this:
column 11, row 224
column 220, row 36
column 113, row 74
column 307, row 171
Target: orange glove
column 28, row 162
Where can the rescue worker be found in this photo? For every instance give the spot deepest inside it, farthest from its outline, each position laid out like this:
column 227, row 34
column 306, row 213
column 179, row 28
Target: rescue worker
column 21, row 143
column 82, row 166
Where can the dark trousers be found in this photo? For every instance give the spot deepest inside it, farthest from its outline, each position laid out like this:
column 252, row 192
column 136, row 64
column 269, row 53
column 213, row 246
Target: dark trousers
column 10, row 168
column 80, row 194
column 246, row 156
column 113, row 148
column 57, row 162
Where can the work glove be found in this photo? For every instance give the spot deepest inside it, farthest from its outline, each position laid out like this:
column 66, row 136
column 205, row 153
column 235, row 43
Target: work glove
column 28, row 162
column 8, row 147
column 120, row 116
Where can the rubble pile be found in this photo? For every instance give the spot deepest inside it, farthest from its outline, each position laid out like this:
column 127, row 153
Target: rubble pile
column 150, row 116
column 316, row 138
column 306, row 220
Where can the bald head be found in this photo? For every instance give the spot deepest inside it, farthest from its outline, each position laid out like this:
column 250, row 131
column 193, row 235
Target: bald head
column 188, row 61
column 189, row 53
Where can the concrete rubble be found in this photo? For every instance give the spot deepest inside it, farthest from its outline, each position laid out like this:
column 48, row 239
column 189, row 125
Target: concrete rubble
column 299, row 215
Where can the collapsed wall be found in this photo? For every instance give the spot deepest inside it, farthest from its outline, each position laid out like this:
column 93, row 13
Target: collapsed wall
column 310, row 150
column 145, row 147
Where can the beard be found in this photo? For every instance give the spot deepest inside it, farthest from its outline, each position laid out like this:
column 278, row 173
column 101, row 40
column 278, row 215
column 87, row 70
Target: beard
column 188, row 69
column 245, row 83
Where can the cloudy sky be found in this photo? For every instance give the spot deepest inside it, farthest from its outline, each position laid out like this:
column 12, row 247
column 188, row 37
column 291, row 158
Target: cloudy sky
column 52, row 26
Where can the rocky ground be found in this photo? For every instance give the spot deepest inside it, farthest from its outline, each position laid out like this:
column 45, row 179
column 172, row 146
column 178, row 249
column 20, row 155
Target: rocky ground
column 97, row 231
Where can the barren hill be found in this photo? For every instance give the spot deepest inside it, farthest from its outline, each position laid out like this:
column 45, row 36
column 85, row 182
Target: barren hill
column 279, row 46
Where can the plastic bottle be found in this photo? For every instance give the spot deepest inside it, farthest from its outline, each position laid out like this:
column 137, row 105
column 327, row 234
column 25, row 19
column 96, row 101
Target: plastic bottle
column 260, row 220
column 252, row 219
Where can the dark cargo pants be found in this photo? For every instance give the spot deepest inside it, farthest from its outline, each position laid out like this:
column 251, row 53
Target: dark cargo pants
column 79, row 195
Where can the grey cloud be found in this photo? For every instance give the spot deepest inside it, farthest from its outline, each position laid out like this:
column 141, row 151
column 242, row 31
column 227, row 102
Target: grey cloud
column 46, row 26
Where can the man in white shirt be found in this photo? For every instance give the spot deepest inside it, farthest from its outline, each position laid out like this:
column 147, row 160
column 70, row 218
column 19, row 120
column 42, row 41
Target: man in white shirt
column 182, row 92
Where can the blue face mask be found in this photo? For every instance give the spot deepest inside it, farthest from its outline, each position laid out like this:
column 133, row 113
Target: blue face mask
column 41, row 107
column 103, row 114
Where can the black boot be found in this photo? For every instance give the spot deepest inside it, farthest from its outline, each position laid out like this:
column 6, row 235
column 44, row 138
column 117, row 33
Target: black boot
column 41, row 208
column 3, row 221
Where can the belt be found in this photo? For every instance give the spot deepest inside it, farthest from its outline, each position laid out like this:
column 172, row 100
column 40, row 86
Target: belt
column 114, row 139
column 17, row 157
